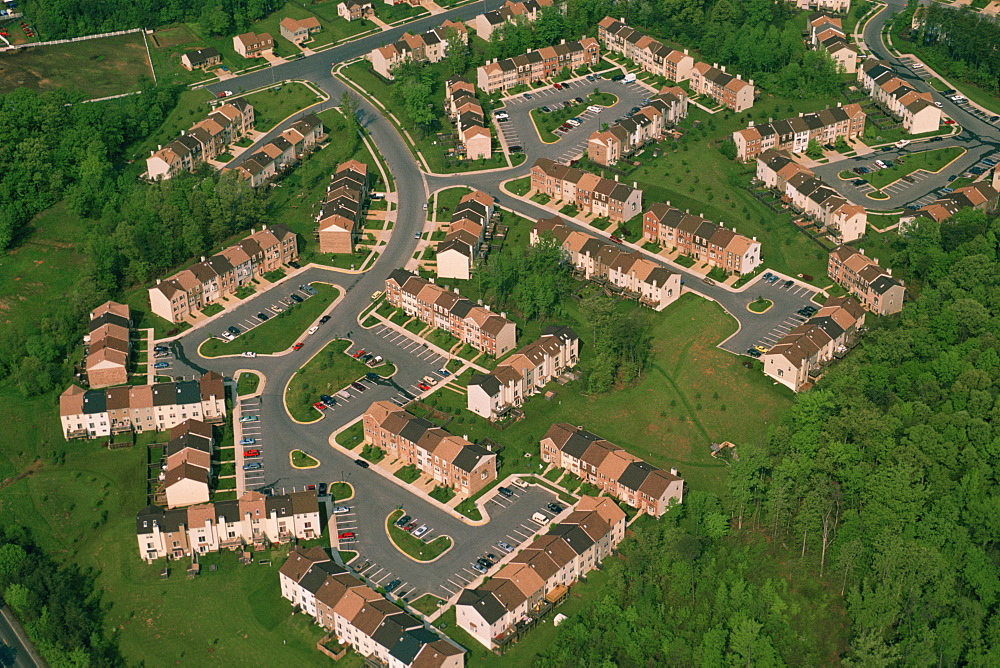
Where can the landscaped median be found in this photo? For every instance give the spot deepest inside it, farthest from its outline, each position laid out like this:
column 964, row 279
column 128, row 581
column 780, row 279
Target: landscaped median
column 301, row 460
column 412, row 546
column 278, row 333
column 328, row 372
column 932, row 161
column 545, row 123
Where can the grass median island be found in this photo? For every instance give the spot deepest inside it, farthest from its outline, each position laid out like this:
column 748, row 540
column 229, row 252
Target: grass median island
column 547, row 122
column 280, row 331
column 341, row 491
column 931, row 161
column 427, row 604
column 760, row 305
column 328, row 372
column 301, row 460
column 412, row 546
column 351, row 437
column 247, row 383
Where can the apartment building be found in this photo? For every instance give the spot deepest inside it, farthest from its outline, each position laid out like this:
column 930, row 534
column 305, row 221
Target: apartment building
column 358, row 616
column 701, row 239
column 434, row 305
column 252, row 45
column 794, row 134
column 541, row 573
column 525, row 11
column 628, row 135
column 588, row 192
column 916, row 109
column 525, row 373
column 650, row 54
column 532, row 66
column 107, row 346
column 729, row 91
column 141, row 408
column 352, row 10
column 299, row 31
column 283, row 152
column 862, row 276
column 430, row 47
column 451, row 460
column 980, row 196
column 203, row 141
column 253, row 519
column 461, row 246
column 340, row 216
column 799, row 357
column 617, row 473
column 807, row 193
column 836, row 6
column 594, row 258
column 187, row 469
column 826, row 33
column 466, row 113
column 208, row 281
column 201, row 59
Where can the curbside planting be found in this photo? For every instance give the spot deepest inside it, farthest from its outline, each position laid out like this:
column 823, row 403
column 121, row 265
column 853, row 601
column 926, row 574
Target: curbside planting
column 411, row 546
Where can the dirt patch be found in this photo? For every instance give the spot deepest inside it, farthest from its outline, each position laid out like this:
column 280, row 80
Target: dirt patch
column 33, row 467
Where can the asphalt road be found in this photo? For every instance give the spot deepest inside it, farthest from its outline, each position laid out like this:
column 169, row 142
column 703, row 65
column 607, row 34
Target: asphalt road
column 13, row 652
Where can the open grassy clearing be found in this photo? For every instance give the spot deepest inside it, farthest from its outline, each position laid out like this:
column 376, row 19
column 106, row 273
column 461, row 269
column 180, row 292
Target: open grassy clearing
column 932, row 161
column 411, row 545
column 275, row 104
column 326, row 373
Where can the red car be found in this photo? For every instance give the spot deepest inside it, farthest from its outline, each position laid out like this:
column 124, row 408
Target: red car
column 310, row 488
column 616, row 239
column 948, row 121
column 251, row 453
column 423, row 386
column 359, row 353
column 347, row 535
column 319, row 405
column 557, row 86
column 298, row 346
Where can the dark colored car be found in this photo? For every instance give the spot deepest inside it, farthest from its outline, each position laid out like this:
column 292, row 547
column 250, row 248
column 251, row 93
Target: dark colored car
column 322, row 489
column 294, row 265
column 389, row 588
column 579, row 100
column 506, row 491
column 515, row 149
column 753, row 353
column 545, row 110
column 296, row 299
column 403, row 520
column 160, row 349
column 262, row 316
column 859, row 182
column 618, row 77
column 789, row 283
column 362, row 463
column 358, row 386
column 234, row 331
column 325, row 319
column 372, row 376
column 554, row 507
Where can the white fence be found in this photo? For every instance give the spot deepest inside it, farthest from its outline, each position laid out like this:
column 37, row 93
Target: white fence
column 67, row 41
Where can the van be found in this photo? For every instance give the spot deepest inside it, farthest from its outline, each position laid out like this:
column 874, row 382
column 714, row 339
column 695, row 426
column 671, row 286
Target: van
column 630, row 77
column 541, row 519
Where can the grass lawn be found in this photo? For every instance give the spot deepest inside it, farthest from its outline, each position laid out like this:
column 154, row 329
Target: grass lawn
column 97, row 67
column 948, row 67
column 372, row 453
column 275, row 104
column 760, row 305
column 340, row 491
column 280, row 331
column 192, row 106
column 413, row 546
column 448, row 199
column 393, row 13
column 545, row 123
column 328, row 372
column 301, row 460
column 408, row 473
column 931, row 161
column 520, row 186
column 427, row 604
column 442, row 494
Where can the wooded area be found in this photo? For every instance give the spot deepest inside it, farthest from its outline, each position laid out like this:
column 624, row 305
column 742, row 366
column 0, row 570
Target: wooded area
column 962, row 43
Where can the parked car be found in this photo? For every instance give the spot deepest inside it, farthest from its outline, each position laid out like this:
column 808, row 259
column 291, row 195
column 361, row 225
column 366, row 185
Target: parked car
column 298, row 346
column 310, row 488
column 760, row 349
column 617, row 240
column 341, row 510
column 444, row 372
column 708, row 281
column 248, row 353
column 557, row 86
column 362, row 463
column 545, row 110
column 952, row 178
column 514, row 149
column 308, row 289
column 358, row 386
column 506, row 491
column 346, row 535
column 527, row 96
column 392, row 586
column 506, row 547
column 372, row 376
column 420, row 531
column 859, row 182
column 403, row 521
column 160, row 355
column 295, row 298
column 249, row 418
column 753, row 353
column 423, row 386
column 262, row 316
column 247, row 441
column 989, row 161
column 618, row 77
column 327, row 399
column 313, row 330
column 325, row 319
column 251, row 453
column 161, row 365
column 320, row 406
column 554, row 507
column 578, row 100
column 789, row 283
column 322, row 489
column 477, row 567
column 410, row 527
column 767, row 275
column 358, row 353
column 252, row 466
column 160, row 349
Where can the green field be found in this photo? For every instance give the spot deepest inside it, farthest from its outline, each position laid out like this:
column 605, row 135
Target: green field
column 275, row 104
column 413, row 546
column 328, row 372
column 931, row 161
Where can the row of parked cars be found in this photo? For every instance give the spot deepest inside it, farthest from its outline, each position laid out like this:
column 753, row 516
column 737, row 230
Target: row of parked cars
column 410, row 525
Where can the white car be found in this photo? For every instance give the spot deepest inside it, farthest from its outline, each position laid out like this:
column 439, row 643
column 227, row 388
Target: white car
column 227, row 336
column 938, row 105
column 248, row 353
column 595, row 108
column 956, row 98
column 313, row 329
column 341, row 510
column 573, row 122
column 902, row 142
column 420, row 531
column 430, row 380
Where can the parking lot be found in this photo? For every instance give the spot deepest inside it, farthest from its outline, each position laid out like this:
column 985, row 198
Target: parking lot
column 275, row 305
column 251, row 448
column 401, row 343
column 798, row 292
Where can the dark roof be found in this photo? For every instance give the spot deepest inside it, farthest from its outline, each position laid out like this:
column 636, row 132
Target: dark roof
column 635, row 473
column 280, row 506
column 883, row 284
column 188, row 392
column 145, row 519
column 95, row 401
column 578, row 443
column 317, row 573
column 108, row 318
column 415, row 428
column 230, row 510
column 400, row 276
column 488, row 382
column 485, row 603
column 574, row 536
column 469, row 457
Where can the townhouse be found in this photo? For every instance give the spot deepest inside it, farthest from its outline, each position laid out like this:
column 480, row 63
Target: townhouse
column 201, row 59
column 588, row 192
column 451, row 460
column 525, row 11
column 525, row 373
column 107, row 346
column 980, row 196
column 351, row 10
column 187, row 467
column 799, row 357
column 192, row 289
column 916, row 109
column 299, row 31
column 343, row 208
column 141, row 408
column 836, row 6
column 377, row 629
column 252, row 519
column 701, row 239
column 466, row 113
column 467, row 231
column 794, row 134
column 627, row 272
column 505, row 606
column 617, row 473
column 650, row 54
column 252, row 45
column 729, row 91
column 434, row 305
column 826, row 33
column 862, row 276
column 431, row 47
column 807, row 193
column 648, row 124
column 283, row 151
column 203, row 141
column 532, row 66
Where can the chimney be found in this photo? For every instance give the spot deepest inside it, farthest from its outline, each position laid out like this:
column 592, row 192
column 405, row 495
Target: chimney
column 740, row 77
column 861, row 250
column 755, row 238
column 685, row 52
column 503, row 314
column 751, row 124
column 486, row 306
column 456, row 291
column 183, row 132
column 159, row 147
column 750, row 82
column 562, row 41
column 673, row 471
column 770, row 119
column 616, row 177
column 202, row 258
column 431, row 279
column 480, row 302
column 734, row 228
column 157, row 281
column 715, row 65
column 838, row 104
column 801, row 114
column 635, row 184
column 889, row 271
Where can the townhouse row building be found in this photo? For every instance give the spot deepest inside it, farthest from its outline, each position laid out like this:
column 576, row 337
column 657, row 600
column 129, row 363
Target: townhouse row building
column 616, row 472
column 538, row 65
column 141, row 408
column 107, row 346
column 203, row 141
column 452, row 461
column 525, row 373
column 916, row 109
column 981, row 196
column 466, row 113
column 801, row 188
column 826, row 33
column 201, row 59
column 800, row 356
column 701, row 239
column 462, row 244
column 596, row 259
column 252, row 45
column 253, row 519
column 299, row 31
column 836, row 6
column 434, row 305
column 870, row 283
column 379, row 630
column 589, row 193
column 340, row 216
column 283, row 151
column 794, row 134
column 430, row 47
column 192, row 289
column 353, row 10
column 541, row 573
column 628, row 135
column 727, row 90
column 511, row 11
column 187, row 468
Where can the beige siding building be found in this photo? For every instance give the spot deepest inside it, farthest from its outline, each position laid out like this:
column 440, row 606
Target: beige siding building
column 588, row 192
column 701, row 239
column 252, row 45
column 534, row 66
column 283, row 152
column 429, row 47
column 916, row 109
column 466, row 113
column 510, row 12
column 826, row 33
column 299, row 31
column 794, row 134
column 107, row 347
column 862, row 276
column 203, row 141
column 340, row 217
column 470, row 220
column 606, row 147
